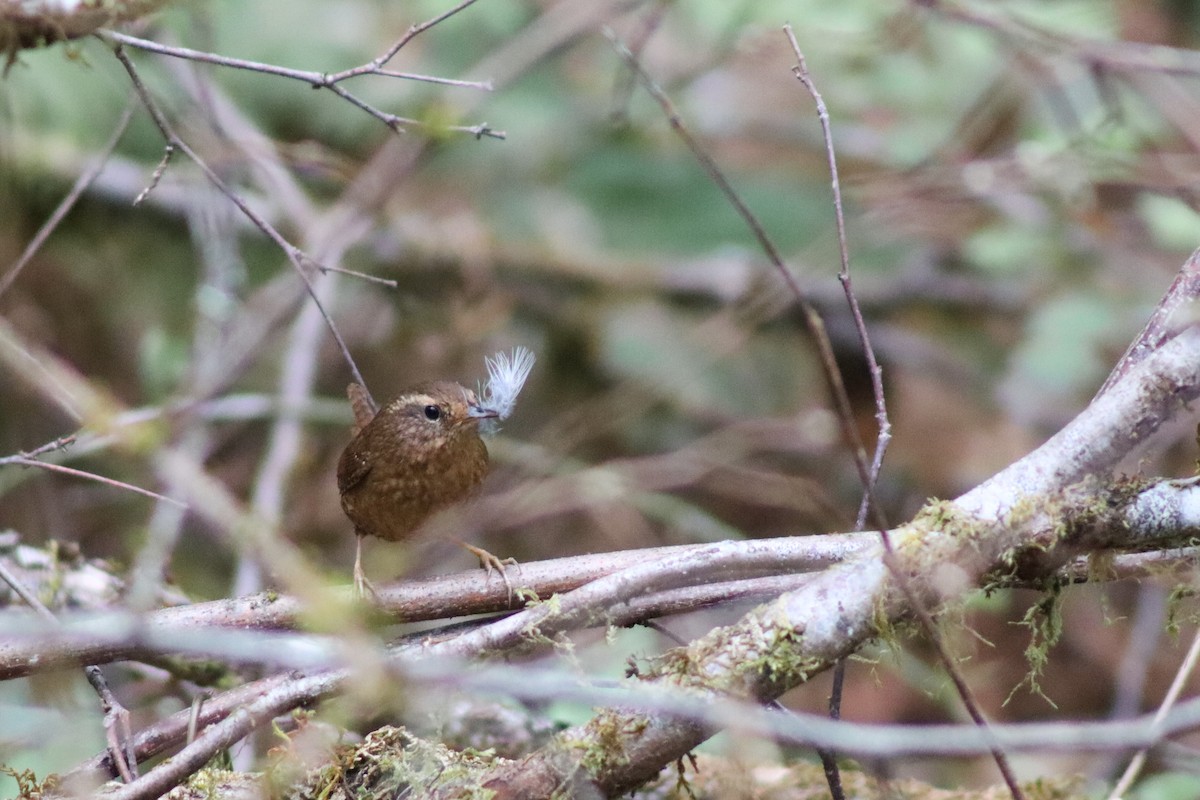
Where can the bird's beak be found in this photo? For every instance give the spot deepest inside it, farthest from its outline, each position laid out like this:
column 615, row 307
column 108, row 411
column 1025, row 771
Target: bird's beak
column 476, row 411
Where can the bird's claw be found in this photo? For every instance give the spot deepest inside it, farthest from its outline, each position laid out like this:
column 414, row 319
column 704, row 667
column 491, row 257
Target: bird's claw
column 364, row 590
column 491, row 564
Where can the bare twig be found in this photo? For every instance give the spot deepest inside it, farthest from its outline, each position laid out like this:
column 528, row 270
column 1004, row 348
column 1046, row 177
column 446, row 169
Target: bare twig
column 116, row 718
column 169, row 732
column 391, row 284
column 82, row 183
column 915, row 601
column 157, row 175
column 881, row 416
column 956, row 677
column 298, row 259
column 332, row 81
column 318, row 80
column 1181, row 678
column 627, row 80
column 61, row 443
column 246, row 406
column 91, row 476
column 812, row 318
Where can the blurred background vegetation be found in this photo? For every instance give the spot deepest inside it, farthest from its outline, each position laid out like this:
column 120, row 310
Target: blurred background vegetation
column 1019, row 193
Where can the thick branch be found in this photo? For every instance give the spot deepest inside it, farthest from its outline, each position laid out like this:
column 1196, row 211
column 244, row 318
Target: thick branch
column 777, row 646
column 434, row 598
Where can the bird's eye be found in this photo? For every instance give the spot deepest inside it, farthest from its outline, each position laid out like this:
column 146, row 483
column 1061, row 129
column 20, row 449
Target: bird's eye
column 433, row 413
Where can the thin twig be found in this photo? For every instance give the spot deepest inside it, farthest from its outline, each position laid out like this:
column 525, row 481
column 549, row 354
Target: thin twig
column 1181, row 678
column 297, row 257
column 408, row 36
column 485, row 86
column 61, row 443
column 812, row 318
column 313, row 78
column 627, row 81
column 960, row 684
column 159, row 170
column 117, row 730
column 85, row 179
column 330, row 81
column 833, row 773
column 91, row 476
column 391, row 284
column 178, row 728
column 217, row 737
column 881, row 416
column 233, row 407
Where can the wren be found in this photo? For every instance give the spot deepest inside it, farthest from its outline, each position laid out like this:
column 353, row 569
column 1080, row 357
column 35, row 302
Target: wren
column 419, row 454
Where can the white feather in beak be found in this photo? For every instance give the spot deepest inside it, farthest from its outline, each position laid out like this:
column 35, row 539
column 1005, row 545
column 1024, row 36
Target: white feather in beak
column 506, row 376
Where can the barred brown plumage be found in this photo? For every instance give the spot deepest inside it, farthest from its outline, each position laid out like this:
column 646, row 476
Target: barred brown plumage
column 419, row 454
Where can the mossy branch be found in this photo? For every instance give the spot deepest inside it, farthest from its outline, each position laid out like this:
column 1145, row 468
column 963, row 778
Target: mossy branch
column 943, row 555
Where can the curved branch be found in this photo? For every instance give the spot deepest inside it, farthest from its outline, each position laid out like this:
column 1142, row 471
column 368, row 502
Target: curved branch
column 781, row 644
column 437, row 598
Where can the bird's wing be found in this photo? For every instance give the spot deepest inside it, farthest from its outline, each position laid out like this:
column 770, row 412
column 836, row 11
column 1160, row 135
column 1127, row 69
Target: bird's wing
column 352, row 469
column 361, row 405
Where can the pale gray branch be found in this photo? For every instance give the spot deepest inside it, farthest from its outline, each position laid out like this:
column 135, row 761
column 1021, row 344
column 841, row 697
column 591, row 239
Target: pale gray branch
column 781, row 644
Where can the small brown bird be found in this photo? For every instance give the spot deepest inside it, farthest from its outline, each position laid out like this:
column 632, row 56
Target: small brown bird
column 421, row 453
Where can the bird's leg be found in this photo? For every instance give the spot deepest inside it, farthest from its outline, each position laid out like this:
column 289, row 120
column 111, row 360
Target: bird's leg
column 490, row 563
column 362, row 586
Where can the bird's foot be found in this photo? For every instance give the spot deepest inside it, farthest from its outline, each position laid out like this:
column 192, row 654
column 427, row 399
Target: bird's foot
column 364, row 590
column 491, row 564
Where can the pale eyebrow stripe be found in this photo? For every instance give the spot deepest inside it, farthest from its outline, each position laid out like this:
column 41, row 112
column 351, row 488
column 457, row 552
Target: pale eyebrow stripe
column 413, row 399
